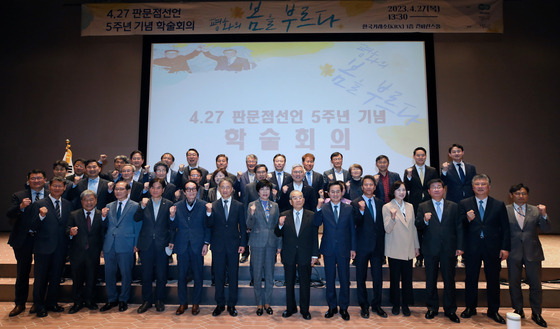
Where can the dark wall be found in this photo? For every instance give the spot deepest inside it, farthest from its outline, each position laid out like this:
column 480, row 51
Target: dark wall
column 496, row 93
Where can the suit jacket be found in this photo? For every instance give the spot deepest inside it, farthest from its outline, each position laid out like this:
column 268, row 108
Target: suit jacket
column 122, row 232
column 286, row 179
column 243, row 182
column 51, row 232
column 456, row 189
column 103, row 195
column 308, row 194
column 401, row 236
column 190, row 227
column 262, row 231
column 93, row 239
column 338, row 238
column 326, row 180
column 144, row 176
column 417, row 190
column 182, row 178
column 21, row 220
column 251, row 193
column 370, row 235
column 168, row 193
column 440, row 238
column 317, row 182
column 379, row 189
column 227, row 236
column 494, row 225
column 525, row 242
column 298, row 249
column 155, row 229
column 136, row 190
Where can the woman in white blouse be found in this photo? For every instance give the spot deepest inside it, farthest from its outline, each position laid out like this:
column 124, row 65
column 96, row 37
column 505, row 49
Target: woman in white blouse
column 401, row 246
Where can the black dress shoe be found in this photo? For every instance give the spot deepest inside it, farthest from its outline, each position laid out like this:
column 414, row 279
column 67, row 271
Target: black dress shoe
column 259, row 311
column 75, row 308
column 331, row 312
column 306, row 316
column 496, row 317
column 17, row 310
column 364, row 312
column 108, row 306
column 91, row 306
column 41, row 313
column 123, row 306
column 232, row 311
column 430, row 314
column 395, row 310
column 287, row 314
column 468, row 312
column 268, row 310
column 55, row 308
column 405, row 311
column 379, row 311
column 344, row 315
column 144, row 307
column 218, row 310
column 160, row 307
column 32, row 310
column 453, row 317
column 539, row 320
column 520, row 313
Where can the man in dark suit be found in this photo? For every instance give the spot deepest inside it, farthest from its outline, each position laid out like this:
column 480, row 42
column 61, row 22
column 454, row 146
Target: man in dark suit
column 229, row 61
column 336, row 173
column 487, row 238
column 248, row 176
column 312, row 178
column 119, row 247
column 279, row 177
column 439, row 222
column 222, row 161
column 115, row 174
column 169, row 159
column 192, row 238
column 416, row 180
column 338, row 246
column 526, row 250
column 60, row 169
column 251, row 194
column 86, row 230
column 298, row 184
column 49, row 217
column 457, row 175
column 79, row 170
column 300, row 250
column 101, row 187
column 370, row 246
column 141, row 175
column 22, row 238
column 136, row 188
column 228, row 240
column 385, row 178
column 192, row 163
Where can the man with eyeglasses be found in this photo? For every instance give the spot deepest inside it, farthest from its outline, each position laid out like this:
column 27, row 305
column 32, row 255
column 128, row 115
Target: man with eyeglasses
column 297, row 183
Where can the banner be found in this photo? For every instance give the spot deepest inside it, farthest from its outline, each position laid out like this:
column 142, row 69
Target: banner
column 248, row 17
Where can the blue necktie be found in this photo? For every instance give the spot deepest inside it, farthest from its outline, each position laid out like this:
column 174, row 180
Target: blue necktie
column 336, row 214
column 298, row 223
column 438, row 210
column 279, row 179
column 57, row 209
column 226, row 209
column 309, row 182
column 461, row 172
column 119, row 211
column 481, row 211
column 370, row 206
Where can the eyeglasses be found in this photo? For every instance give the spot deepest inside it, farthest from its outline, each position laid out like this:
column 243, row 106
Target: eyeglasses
column 190, row 189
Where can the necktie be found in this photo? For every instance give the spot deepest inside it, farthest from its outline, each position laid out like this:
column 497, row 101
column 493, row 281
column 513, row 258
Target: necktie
column 309, row 181
column 226, row 209
column 520, row 216
column 461, row 172
column 57, row 209
column 481, row 212
column 279, row 178
column 438, row 210
column 266, row 210
column 119, row 211
column 88, row 221
column 298, row 223
column 370, row 206
column 336, row 214
column 37, row 196
column 421, row 175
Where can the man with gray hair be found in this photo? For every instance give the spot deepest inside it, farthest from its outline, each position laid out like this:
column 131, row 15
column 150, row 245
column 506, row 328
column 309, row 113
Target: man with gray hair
column 297, row 184
column 248, row 176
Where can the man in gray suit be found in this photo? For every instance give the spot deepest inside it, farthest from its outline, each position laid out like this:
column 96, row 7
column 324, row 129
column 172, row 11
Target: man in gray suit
column 526, row 250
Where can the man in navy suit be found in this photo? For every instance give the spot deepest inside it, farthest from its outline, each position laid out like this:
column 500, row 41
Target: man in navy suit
column 297, row 184
column 338, row 246
column 141, row 175
column 155, row 235
column 86, row 230
column 136, row 188
column 22, row 238
column 279, row 177
column 192, row 238
column 169, row 159
column 248, row 176
column 312, row 178
column 370, row 246
column 102, row 188
column 228, row 240
column 439, row 222
column 385, row 178
column 184, row 171
column 487, row 238
column 457, row 175
column 119, row 246
column 49, row 217
column 336, row 173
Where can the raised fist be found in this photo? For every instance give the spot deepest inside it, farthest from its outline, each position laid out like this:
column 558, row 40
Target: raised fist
column 145, row 202
column 330, row 177
column 208, row 207
column 102, row 158
column 43, row 211
column 542, row 209
column 281, row 220
column 181, row 167
column 320, row 202
column 77, row 179
column 110, row 186
column 376, row 177
column 104, row 212
column 285, row 188
column 409, row 172
column 393, row 213
column 146, row 186
column 239, row 174
column 362, row 205
column 252, row 209
column 206, row 186
column 321, row 194
column 74, row 231
column 115, row 174
column 470, row 215
column 444, row 166
column 427, row 216
column 24, row 203
column 172, row 211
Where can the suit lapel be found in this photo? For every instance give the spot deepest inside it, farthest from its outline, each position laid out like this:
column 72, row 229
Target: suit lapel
column 125, row 211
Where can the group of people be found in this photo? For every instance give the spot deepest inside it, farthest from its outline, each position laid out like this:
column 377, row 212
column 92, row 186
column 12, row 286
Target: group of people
column 428, row 215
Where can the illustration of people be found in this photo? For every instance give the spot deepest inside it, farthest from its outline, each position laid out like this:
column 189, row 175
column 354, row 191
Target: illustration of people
column 229, row 61
column 173, row 62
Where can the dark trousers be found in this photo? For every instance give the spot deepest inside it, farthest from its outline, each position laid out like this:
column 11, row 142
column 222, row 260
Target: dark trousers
column 185, row 261
column 304, row 274
column 533, row 271
column 342, row 264
column 226, row 265
column 154, row 260
column 376, row 262
column 491, row 270
column 400, row 271
column 84, row 275
column 24, row 258
column 447, row 266
column 47, row 271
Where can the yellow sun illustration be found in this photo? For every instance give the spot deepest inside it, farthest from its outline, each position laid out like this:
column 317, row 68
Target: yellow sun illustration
column 326, row 70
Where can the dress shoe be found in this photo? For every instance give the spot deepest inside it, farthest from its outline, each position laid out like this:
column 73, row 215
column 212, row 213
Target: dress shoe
column 243, row 259
column 75, row 308
column 539, row 320
column 144, row 307
column 108, row 306
column 364, row 312
column 468, row 312
column 91, row 306
column 17, row 310
column 306, row 316
column 520, row 313
column 195, row 309
column 405, row 311
column 395, row 310
column 496, row 317
column 160, row 307
column 232, row 311
column 268, row 310
column 33, row 309
column 259, row 311
column 41, row 313
column 453, row 317
column 181, row 309
column 123, row 306
column 55, row 308
column 379, row 311
column 287, row 314
column 331, row 312
column 344, row 315
column 430, row 314
column 218, row 310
